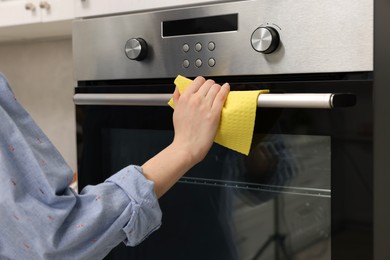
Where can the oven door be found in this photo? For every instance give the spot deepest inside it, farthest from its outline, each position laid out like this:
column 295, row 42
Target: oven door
column 304, row 191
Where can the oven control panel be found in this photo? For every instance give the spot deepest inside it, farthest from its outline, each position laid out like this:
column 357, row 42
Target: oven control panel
column 254, row 37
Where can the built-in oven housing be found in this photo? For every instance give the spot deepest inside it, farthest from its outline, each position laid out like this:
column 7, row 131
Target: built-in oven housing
column 306, row 189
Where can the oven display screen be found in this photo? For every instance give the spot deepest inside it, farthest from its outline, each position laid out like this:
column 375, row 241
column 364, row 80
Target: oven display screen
column 210, row 24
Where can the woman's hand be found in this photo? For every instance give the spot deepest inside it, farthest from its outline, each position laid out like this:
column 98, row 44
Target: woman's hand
column 196, row 120
column 197, row 115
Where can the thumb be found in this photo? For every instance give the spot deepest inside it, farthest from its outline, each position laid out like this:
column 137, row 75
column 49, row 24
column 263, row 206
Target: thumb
column 176, row 96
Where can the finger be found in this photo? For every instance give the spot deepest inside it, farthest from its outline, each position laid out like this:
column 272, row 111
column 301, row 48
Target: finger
column 215, row 88
column 221, row 97
column 205, row 88
column 195, row 85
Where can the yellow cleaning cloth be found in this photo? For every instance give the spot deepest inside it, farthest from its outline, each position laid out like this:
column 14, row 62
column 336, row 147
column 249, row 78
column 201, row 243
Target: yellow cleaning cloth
column 237, row 119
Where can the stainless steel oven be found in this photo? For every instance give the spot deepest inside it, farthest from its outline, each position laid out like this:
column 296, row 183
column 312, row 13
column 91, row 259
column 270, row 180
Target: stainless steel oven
column 305, row 191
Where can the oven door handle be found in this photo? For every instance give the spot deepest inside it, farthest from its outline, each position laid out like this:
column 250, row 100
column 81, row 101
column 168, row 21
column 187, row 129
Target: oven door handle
column 270, row 100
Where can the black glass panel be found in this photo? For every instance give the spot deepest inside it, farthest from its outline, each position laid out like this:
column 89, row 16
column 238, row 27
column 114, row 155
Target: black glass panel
column 304, row 192
column 231, row 206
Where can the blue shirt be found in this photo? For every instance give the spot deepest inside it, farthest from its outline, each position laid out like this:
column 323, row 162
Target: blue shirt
column 42, row 218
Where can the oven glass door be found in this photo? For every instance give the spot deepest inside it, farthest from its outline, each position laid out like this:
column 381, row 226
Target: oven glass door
column 304, row 191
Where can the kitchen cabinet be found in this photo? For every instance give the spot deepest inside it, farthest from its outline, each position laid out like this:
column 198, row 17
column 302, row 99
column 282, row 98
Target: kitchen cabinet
column 87, row 8
column 31, row 19
column 19, row 12
column 57, row 10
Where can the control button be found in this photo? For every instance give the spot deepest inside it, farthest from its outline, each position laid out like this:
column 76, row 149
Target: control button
column 198, row 47
column 136, row 49
column 265, row 39
column 211, row 46
column 186, row 63
column 186, row 47
column 211, row 62
column 198, row 63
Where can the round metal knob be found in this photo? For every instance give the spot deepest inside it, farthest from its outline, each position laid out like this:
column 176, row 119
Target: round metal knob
column 44, row 5
column 265, row 39
column 30, row 7
column 136, row 49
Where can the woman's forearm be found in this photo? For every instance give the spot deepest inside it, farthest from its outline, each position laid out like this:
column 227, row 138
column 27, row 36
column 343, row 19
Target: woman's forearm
column 167, row 167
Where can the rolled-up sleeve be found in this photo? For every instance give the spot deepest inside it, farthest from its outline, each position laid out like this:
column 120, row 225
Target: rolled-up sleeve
column 122, row 209
column 146, row 214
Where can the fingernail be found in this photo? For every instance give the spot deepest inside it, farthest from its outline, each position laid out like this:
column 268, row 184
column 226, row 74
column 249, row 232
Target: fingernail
column 226, row 85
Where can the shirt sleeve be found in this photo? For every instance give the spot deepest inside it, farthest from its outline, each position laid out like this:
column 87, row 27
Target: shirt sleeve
column 147, row 210
column 42, row 218
column 123, row 208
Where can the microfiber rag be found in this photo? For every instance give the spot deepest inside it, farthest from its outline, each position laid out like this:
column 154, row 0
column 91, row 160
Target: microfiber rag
column 237, row 119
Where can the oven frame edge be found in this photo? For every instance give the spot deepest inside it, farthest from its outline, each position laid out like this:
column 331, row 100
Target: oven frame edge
column 381, row 93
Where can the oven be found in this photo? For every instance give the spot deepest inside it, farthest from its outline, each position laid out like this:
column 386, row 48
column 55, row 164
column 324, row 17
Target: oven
column 305, row 191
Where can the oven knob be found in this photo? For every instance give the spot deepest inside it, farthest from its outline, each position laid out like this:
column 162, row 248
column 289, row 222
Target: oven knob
column 265, row 39
column 136, row 49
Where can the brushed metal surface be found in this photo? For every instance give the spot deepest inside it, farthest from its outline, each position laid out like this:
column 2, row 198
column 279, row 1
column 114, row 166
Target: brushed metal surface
column 262, row 40
column 133, row 49
column 122, row 99
column 315, row 36
column 298, row 100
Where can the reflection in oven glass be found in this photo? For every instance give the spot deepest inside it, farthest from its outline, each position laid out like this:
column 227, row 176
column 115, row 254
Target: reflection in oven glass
column 273, row 204
column 286, row 214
